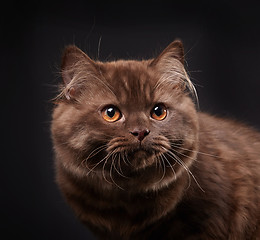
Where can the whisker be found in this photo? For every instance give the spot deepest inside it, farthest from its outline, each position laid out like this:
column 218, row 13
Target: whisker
column 103, row 169
column 103, row 159
column 120, row 169
column 171, row 166
column 180, row 162
column 110, row 172
column 185, row 155
column 189, row 150
column 127, row 160
column 187, row 170
column 92, row 154
column 99, row 43
column 162, row 165
column 119, row 163
column 173, row 139
column 95, row 152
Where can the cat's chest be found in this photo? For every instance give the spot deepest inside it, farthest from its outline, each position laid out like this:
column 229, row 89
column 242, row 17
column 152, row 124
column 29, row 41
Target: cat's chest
column 123, row 211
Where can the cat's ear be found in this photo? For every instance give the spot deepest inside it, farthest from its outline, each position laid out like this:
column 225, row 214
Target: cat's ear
column 74, row 62
column 174, row 51
column 170, row 65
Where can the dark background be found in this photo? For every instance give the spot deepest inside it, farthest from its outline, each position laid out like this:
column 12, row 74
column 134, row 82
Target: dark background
column 222, row 42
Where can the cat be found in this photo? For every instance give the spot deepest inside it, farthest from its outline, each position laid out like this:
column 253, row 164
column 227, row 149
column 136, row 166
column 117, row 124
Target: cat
column 135, row 159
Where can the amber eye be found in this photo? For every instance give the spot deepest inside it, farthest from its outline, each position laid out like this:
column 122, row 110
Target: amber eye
column 111, row 114
column 159, row 112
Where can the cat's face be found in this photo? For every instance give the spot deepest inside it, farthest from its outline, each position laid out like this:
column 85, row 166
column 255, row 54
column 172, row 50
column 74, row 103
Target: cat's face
column 123, row 117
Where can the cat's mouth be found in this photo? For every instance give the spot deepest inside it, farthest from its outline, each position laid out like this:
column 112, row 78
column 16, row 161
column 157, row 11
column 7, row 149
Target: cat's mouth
column 142, row 157
column 140, row 153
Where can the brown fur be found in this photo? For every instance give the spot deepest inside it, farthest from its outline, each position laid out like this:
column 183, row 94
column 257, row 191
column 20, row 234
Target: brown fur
column 194, row 176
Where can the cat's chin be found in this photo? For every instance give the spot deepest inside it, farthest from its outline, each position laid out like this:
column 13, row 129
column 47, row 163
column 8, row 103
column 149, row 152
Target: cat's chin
column 141, row 158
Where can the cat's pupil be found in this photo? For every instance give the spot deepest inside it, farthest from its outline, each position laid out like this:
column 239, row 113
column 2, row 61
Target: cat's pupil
column 158, row 110
column 111, row 112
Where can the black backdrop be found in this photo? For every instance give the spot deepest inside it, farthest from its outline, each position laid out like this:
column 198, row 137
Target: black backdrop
column 222, row 42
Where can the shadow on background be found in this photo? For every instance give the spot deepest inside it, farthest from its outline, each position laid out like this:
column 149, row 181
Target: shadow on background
column 222, row 42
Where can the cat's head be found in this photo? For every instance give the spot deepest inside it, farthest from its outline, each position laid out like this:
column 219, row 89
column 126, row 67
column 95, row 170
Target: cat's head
column 125, row 117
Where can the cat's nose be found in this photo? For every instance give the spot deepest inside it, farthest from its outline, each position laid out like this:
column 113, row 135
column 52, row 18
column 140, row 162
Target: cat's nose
column 140, row 134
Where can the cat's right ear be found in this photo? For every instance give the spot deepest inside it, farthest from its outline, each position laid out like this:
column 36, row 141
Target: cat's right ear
column 74, row 61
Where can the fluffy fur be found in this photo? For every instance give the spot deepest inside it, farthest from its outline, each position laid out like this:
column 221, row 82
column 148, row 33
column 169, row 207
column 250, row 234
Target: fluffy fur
column 192, row 176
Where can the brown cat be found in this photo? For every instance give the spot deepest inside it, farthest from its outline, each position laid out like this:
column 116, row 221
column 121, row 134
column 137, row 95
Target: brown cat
column 136, row 160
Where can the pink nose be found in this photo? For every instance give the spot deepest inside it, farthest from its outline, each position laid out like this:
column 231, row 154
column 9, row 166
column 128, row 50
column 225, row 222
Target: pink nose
column 140, row 134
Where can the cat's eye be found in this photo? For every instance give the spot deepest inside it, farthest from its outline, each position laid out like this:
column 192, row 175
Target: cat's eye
column 111, row 114
column 159, row 112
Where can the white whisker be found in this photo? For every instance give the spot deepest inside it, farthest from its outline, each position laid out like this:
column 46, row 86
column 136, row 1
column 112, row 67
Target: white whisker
column 189, row 150
column 171, row 166
column 120, row 172
column 162, row 165
column 111, row 169
column 103, row 169
column 102, row 160
column 175, row 157
column 95, row 152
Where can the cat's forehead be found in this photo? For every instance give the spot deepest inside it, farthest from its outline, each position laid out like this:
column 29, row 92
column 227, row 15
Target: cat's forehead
column 131, row 81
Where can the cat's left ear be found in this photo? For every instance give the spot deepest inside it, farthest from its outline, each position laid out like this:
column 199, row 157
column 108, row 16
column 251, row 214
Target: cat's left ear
column 170, row 64
column 174, row 51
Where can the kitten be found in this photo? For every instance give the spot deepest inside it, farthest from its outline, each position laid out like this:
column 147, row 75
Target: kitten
column 136, row 160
